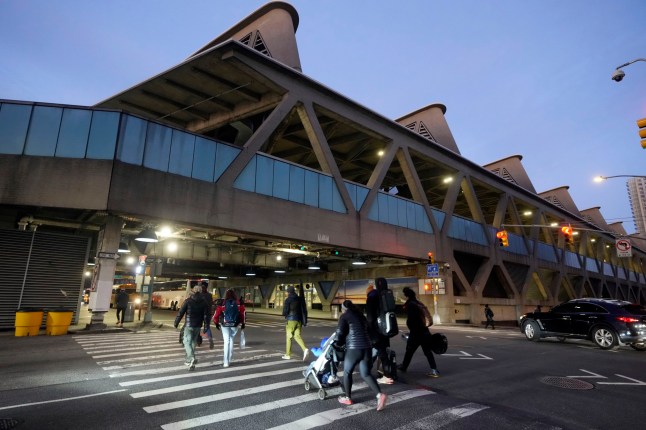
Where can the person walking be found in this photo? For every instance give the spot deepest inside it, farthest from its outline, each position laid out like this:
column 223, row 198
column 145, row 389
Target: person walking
column 295, row 311
column 121, row 303
column 208, row 298
column 419, row 333
column 197, row 314
column 228, row 316
column 380, row 343
column 489, row 316
column 352, row 331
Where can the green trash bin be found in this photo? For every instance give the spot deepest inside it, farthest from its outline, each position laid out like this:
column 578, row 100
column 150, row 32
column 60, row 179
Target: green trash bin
column 28, row 321
column 58, row 321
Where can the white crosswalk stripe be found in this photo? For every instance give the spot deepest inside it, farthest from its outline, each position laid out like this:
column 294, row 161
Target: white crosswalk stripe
column 150, row 367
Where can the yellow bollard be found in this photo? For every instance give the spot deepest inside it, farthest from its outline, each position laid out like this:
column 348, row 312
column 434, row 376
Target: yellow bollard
column 28, row 322
column 58, row 322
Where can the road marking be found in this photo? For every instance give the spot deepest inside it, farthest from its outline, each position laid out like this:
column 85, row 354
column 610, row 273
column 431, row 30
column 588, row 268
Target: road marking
column 210, row 383
column 482, row 357
column 61, row 400
column 133, row 362
column 590, row 375
column 443, row 418
column 191, row 374
column 329, row 416
column 481, row 337
column 129, row 347
column 636, row 381
column 221, row 396
column 462, row 354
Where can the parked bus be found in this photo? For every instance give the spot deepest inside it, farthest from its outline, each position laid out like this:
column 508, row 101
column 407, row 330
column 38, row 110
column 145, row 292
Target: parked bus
column 171, row 294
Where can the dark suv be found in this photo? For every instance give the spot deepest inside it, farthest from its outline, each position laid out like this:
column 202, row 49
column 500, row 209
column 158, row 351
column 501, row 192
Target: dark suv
column 606, row 322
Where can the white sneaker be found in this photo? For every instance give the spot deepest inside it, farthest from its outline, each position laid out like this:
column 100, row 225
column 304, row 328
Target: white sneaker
column 225, row 365
column 307, row 351
column 286, row 357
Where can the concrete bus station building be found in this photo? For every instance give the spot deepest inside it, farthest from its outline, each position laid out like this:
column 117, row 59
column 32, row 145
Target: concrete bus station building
column 256, row 169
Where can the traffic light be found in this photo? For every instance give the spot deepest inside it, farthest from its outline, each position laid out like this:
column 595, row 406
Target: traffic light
column 568, row 233
column 502, row 238
column 641, row 123
column 431, row 258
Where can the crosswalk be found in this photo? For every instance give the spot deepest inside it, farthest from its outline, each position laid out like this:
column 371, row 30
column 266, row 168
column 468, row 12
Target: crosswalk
column 258, row 390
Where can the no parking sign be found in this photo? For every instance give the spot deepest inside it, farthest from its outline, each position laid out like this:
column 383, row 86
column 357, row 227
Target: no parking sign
column 624, row 248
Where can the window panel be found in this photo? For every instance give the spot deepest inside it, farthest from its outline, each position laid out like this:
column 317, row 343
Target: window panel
column 204, row 159
column 14, row 123
column 132, row 138
column 325, row 192
column 401, row 212
column 296, row 184
column 73, row 137
column 246, row 180
column 264, row 175
column 311, row 188
column 157, row 151
column 181, row 153
column 43, row 131
column 224, row 155
column 337, row 200
column 103, row 135
column 382, row 202
column 281, row 180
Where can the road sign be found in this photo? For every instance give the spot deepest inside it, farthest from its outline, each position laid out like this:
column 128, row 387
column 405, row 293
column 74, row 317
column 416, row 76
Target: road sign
column 111, row 255
column 432, row 270
column 624, row 248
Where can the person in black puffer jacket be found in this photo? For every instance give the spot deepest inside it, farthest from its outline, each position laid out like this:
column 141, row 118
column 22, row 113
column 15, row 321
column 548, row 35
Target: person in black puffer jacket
column 197, row 314
column 352, row 331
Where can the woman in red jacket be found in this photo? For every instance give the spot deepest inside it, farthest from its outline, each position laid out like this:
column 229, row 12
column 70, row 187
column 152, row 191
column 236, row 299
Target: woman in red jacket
column 228, row 316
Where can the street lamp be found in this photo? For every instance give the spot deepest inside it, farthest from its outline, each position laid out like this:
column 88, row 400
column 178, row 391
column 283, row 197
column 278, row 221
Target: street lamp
column 603, row 178
column 619, row 74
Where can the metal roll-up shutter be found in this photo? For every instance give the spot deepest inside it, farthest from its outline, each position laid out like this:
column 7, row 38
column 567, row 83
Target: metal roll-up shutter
column 51, row 266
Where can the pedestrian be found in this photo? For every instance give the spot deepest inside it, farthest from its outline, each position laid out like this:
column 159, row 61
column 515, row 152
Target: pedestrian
column 197, row 315
column 208, row 298
column 352, row 331
column 380, row 343
column 419, row 333
column 295, row 311
column 489, row 316
column 121, row 303
column 228, row 316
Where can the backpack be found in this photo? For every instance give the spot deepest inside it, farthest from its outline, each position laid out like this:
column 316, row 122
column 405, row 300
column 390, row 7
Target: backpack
column 489, row 313
column 231, row 313
column 439, row 343
column 387, row 320
column 427, row 318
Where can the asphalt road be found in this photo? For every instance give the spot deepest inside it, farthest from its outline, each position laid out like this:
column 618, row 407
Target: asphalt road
column 489, row 380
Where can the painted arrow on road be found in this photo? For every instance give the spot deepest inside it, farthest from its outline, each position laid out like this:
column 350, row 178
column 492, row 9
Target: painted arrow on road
column 466, row 356
column 597, row 376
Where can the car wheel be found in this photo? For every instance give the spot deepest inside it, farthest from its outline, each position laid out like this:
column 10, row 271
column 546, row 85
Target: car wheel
column 561, row 338
column 532, row 331
column 638, row 346
column 604, row 338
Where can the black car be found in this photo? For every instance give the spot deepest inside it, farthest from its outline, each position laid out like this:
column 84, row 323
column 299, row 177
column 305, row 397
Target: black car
column 606, row 322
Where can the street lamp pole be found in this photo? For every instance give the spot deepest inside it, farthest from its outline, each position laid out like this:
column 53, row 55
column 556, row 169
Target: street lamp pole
column 619, row 74
column 603, row 178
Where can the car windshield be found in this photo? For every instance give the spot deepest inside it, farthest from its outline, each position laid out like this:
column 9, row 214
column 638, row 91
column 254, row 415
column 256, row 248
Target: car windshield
column 634, row 309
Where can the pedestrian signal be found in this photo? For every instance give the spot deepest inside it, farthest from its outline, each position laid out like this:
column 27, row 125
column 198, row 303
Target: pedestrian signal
column 568, row 233
column 502, row 238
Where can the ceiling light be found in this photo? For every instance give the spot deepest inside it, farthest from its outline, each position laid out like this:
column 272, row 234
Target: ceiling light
column 381, row 153
column 554, row 224
column 123, row 248
column 222, row 277
column 250, row 272
column 147, row 235
column 279, row 271
column 172, row 247
column 527, row 213
column 359, row 263
column 279, row 257
column 447, row 180
column 130, row 260
column 165, row 231
column 314, row 266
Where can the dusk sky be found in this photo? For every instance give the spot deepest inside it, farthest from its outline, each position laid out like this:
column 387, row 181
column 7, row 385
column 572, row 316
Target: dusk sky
column 529, row 77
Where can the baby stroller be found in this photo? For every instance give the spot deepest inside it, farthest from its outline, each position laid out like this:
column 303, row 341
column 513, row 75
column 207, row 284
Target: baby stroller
column 321, row 373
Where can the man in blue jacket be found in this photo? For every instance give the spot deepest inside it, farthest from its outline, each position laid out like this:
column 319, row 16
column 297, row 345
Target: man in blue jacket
column 295, row 311
column 197, row 314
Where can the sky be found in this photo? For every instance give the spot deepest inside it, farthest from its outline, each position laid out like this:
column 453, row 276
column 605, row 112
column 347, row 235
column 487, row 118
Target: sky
column 528, row 77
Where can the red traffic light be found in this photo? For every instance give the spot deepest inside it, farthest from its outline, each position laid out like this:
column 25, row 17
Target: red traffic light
column 431, row 258
column 568, row 232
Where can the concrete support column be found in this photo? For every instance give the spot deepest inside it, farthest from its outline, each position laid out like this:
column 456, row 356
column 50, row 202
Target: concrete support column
column 103, row 279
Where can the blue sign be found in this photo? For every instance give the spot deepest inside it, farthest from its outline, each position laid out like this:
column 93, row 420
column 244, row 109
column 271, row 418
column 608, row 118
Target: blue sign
column 432, row 270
